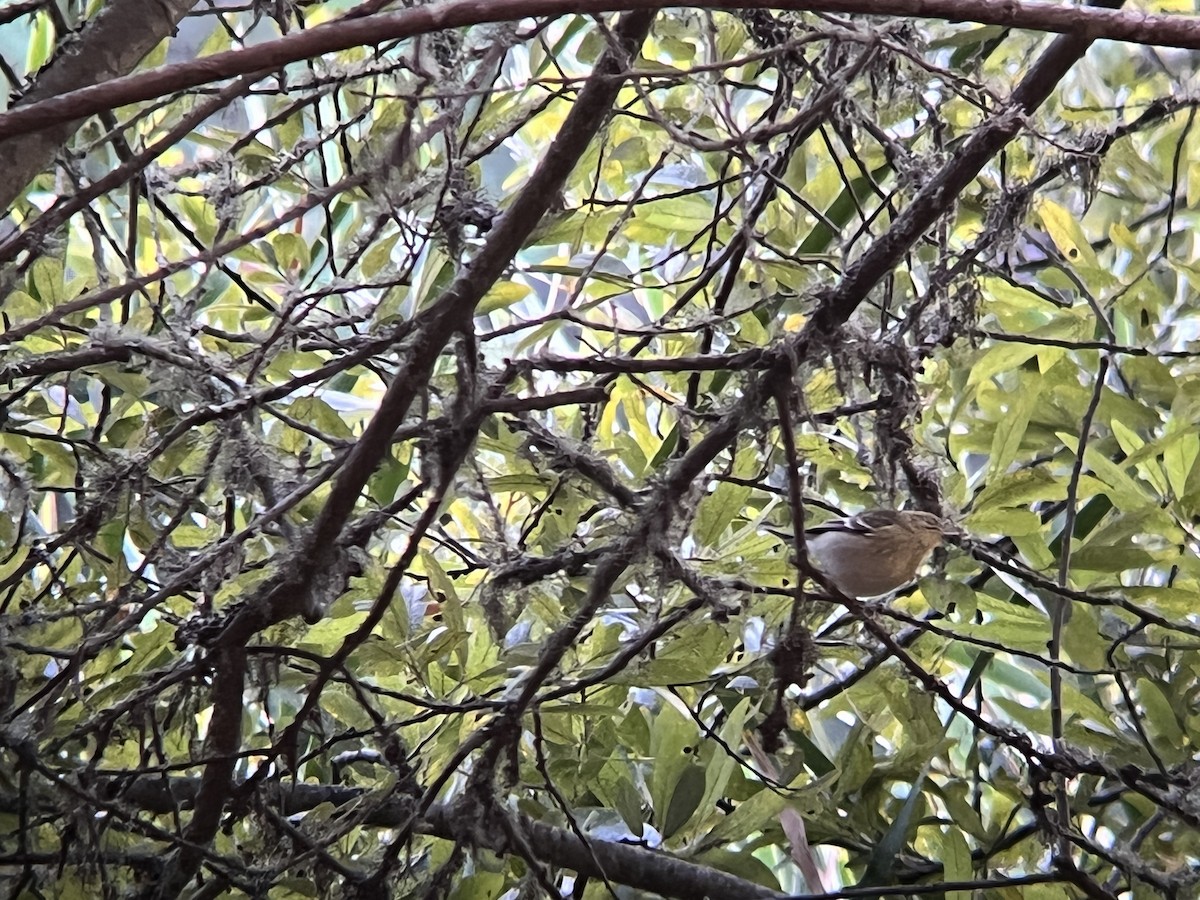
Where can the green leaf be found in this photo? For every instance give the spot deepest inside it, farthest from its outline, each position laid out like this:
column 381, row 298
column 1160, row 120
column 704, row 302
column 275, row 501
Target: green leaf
column 839, row 213
column 502, row 295
column 291, row 250
column 321, row 415
column 379, row 256
column 328, row 634
column 46, row 280
column 1010, row 431
column 685, row 799
column 956, row 860
column 724, row 504
column 20, row 305
column 882, row 861
column 1162, row 718
column 761, row 810
column 673, row 739
column 1179, row 458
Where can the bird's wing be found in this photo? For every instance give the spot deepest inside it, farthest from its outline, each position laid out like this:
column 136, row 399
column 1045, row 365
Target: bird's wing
column 859, row 524
column 872, row 519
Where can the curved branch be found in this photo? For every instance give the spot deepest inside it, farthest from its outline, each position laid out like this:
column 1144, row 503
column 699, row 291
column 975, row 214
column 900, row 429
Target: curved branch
column 1087, row 24
column 636, row 867
column 107, row 48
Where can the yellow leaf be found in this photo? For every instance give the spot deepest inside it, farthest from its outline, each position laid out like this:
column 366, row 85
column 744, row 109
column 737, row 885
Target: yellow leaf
column 794, row 322
column 502, row 295
column 1066, row 233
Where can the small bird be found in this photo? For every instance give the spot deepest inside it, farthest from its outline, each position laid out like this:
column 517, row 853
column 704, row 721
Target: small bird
column 876, row 551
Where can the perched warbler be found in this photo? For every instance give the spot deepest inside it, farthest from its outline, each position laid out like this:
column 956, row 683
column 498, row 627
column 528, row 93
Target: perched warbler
column 876, row 551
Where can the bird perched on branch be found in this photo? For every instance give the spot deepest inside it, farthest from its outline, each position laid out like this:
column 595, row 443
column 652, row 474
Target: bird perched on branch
column 876, row 551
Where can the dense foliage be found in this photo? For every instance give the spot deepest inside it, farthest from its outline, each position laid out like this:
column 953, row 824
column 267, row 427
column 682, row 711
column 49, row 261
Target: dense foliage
column 389, row 444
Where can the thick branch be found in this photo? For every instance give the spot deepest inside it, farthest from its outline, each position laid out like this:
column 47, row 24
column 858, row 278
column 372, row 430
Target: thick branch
column 450, row 312
column 636, row 867
column 940, row 193
column 1087, row 24
column 108, row 47
column 221, row 746
column 289, row 594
